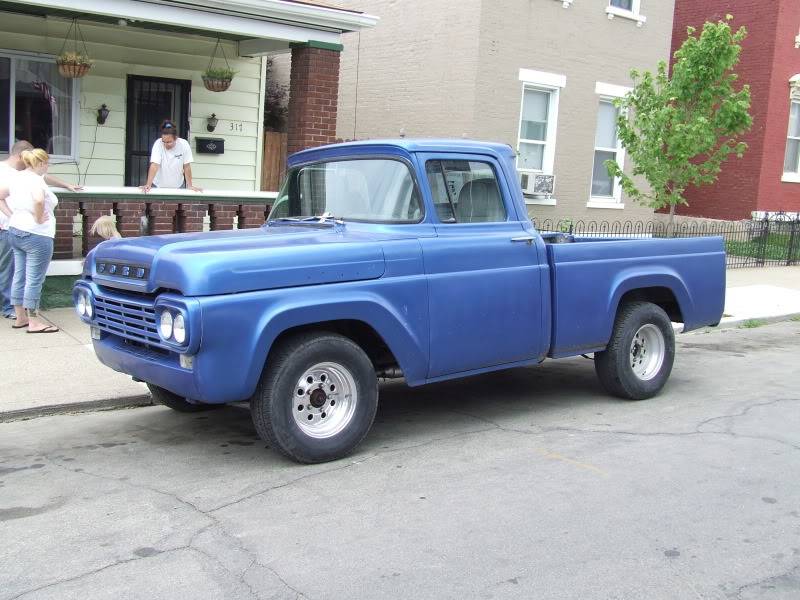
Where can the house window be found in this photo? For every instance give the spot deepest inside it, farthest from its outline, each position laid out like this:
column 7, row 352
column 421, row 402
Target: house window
column 627, row 9
column 533, row 129
column 37, row 104
column 606, row 147
column 538, row 120
column 791, row 163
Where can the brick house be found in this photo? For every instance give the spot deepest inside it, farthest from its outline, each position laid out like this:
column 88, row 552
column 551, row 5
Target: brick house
column 767, row 179
column 539, row 75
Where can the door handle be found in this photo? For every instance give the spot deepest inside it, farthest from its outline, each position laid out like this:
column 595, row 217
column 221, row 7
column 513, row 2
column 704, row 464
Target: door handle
column 525, row 238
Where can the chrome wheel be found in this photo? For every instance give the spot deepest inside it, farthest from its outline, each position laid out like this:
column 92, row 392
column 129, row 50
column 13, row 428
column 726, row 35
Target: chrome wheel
column 647, row 352
column 325, row 399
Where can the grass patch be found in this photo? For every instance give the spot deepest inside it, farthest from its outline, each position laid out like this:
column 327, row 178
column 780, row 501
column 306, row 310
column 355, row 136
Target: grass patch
column 57, row 292
column 775, row 247
column 796, row 318
column 752, row 324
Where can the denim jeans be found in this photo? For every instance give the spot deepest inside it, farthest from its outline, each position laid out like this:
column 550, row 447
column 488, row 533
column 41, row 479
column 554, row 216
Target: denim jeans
column 6, row 273
column 32, row 254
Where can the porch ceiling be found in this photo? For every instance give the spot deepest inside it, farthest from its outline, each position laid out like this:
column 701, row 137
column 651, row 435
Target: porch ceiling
column 261, row 26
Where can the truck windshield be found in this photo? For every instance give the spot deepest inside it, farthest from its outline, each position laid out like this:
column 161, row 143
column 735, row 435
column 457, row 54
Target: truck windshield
column 370, row 190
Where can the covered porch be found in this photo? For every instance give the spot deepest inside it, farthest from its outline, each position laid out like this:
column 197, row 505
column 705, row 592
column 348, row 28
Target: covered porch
column 148, row 59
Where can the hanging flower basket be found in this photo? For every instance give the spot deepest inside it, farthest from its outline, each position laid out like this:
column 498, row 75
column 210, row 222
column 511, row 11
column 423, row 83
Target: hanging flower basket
column 218, row 79
column 216, row 84
column 75, row 64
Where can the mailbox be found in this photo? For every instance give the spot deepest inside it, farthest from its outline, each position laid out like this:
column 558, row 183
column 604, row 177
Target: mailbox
column 210, row 145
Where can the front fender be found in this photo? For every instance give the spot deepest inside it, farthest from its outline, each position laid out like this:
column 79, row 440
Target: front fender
column 238, row 333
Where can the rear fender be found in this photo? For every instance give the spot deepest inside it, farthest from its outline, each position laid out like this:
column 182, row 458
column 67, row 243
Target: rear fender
column 632, row 279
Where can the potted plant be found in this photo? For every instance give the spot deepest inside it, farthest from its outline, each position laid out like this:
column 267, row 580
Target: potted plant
column 218, row 79
column 73, row 65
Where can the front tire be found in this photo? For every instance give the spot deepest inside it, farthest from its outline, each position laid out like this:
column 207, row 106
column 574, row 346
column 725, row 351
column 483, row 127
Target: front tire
column 175, row 402
column 317, row 397
column 638, row 359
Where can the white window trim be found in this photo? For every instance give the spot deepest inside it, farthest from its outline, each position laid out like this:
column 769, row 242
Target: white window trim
column 542, row 78
column 552, row 84
column 633, row 14
column 608, row 92
column 14, row 55
column 791, row 176
column 602, row 204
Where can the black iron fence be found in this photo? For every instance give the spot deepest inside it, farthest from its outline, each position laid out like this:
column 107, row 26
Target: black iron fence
column 757, row 243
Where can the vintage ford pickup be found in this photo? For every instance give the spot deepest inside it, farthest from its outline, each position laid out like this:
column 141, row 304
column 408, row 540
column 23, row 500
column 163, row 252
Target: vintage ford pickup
column 404, row 258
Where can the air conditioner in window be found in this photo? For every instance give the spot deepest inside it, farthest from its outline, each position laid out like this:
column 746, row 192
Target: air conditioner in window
column 537, row 184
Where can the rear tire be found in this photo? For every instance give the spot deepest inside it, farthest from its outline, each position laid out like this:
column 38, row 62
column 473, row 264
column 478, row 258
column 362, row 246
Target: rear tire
column 317, row 397
column 175, row 402
column 638, row 359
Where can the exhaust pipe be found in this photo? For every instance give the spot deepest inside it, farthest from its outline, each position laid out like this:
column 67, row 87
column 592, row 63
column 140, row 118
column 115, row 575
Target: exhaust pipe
column 390, row 373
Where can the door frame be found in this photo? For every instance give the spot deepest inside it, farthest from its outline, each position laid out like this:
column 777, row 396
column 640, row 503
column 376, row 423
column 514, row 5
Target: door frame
column 185, row 86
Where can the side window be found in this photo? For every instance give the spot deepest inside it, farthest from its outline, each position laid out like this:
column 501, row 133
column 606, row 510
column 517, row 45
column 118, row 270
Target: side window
column 465, row 191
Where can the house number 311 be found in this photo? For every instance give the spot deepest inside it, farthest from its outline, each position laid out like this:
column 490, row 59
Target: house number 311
column 236, row 126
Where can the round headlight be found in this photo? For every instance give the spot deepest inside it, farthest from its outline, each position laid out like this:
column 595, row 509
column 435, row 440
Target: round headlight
column 179, row 329
column 165, row 325
column 89, row 307
column 80, row 305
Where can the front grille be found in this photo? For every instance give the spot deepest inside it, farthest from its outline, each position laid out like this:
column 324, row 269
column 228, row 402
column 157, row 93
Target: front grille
column 133, row 320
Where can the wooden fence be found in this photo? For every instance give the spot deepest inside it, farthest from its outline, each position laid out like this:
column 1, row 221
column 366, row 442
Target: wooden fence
column 274, row 161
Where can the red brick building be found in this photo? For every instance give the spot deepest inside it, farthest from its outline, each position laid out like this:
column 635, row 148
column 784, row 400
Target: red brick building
column 767, row 179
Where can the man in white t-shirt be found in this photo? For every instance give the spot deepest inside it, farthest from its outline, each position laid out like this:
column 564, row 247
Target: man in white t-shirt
column 170, row 162
column 9, row 169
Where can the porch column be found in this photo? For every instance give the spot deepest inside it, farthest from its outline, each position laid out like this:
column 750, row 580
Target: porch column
column 313, row 95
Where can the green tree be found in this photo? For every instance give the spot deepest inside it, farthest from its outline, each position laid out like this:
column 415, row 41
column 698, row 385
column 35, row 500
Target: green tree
column 679, row 129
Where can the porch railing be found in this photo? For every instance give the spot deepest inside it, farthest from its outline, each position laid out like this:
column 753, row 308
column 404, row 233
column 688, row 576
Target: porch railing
column 158, row 212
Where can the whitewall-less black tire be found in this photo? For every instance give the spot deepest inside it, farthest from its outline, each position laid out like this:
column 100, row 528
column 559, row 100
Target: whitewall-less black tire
column 317, row 397
column 638, row 359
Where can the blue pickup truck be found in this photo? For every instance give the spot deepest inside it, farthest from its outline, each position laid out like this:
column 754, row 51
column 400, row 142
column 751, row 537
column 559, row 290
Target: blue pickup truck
column 386, row 259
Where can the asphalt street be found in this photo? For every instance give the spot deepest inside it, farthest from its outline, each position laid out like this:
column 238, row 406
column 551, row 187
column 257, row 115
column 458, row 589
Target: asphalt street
column 531, row 483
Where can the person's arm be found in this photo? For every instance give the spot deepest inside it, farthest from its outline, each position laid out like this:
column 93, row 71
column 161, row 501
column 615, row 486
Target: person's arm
column 39, row 212
column 151, row 175
column 3, row 205
column 187, row 174
column 155, row 165
column 56, row 182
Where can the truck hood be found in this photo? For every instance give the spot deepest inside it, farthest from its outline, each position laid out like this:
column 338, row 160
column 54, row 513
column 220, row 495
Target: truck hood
column 226, row 262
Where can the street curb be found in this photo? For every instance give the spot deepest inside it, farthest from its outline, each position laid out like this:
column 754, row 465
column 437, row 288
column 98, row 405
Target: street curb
column 737, row 323
column 147, row 400
column 76, row 407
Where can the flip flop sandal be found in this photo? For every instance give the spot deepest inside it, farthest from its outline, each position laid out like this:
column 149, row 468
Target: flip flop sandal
column 19, row 326
column 48, row 329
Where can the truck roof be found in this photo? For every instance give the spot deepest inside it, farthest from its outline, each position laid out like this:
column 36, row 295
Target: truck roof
column 415, row 145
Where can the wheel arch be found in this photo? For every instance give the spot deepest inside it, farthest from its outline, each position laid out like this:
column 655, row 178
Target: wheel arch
column 665, row 289
column 375, row 327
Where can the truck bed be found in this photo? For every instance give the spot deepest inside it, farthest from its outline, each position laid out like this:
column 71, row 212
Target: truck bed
column 589, row 277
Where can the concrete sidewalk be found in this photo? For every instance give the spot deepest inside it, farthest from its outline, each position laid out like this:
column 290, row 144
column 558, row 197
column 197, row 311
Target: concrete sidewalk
column 52, row 373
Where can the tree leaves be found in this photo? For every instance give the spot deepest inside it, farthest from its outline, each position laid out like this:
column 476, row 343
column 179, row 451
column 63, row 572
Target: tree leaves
column 680, row 128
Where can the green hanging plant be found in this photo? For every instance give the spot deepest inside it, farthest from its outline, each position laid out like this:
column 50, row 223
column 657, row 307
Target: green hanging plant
column 218, row 79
